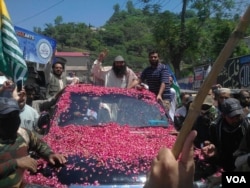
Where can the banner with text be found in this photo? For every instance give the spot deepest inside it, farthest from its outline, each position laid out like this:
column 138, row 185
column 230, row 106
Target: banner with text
column 36, row 48
column 236, row 73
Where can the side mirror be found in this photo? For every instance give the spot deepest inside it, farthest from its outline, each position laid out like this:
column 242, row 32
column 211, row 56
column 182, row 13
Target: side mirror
column 43, row 123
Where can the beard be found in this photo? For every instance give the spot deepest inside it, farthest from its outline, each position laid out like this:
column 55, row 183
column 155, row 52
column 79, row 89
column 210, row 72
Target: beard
column 29, row 101
column 233, row 126
column 120, row 71
column 57, row 73
column 154, row 63
column 237, row 124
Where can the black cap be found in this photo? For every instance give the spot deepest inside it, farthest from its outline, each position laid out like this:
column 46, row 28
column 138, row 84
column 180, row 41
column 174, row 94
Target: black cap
column 60, row 60
column 8, row 105
column 231, row 107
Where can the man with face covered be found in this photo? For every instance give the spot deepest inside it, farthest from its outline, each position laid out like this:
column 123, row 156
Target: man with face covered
column 226, row 134
column 15, row 144
column 119, row 75
column 28, row 115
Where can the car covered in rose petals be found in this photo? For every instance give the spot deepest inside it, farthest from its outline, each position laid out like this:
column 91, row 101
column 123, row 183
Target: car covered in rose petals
column 109, row 136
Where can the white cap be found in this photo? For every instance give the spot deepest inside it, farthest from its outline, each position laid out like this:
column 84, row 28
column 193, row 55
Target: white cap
column 119, row 58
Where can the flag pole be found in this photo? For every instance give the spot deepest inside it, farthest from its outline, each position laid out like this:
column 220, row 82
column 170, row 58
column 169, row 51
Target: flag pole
column 195, row 107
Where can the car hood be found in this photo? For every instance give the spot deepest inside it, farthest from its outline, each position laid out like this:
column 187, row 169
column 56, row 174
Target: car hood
column 90, row 171
column 104, row 155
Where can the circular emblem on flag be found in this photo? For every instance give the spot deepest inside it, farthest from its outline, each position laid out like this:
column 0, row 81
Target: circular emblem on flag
column 44, row 50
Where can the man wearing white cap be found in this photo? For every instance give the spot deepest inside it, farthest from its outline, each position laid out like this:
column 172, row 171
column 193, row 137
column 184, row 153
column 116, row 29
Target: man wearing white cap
column 118, row 75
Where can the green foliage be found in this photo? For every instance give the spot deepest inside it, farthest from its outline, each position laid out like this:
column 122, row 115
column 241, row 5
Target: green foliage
column 192, row 37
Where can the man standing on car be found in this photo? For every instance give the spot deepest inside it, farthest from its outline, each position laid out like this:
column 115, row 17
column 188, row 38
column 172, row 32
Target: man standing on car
column 56, row 83
column 156, row 76
column 119, row 75
column 57, row 79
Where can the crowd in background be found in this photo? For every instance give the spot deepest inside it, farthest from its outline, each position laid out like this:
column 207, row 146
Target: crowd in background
column 222, row 126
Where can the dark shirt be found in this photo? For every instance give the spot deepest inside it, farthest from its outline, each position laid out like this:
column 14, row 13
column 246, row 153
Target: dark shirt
column 245, row 142
column 227, row 142
column 203, row 129
column 202, row 126
column 154, row 77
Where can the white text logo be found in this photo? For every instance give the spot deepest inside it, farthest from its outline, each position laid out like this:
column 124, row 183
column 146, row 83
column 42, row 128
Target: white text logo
column 236, row 179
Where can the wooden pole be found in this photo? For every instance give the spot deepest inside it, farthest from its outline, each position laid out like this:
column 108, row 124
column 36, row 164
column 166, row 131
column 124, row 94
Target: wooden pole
column 195, row 107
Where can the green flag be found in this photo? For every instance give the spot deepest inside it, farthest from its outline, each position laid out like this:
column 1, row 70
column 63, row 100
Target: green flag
column 12, row 63
column 175, row 85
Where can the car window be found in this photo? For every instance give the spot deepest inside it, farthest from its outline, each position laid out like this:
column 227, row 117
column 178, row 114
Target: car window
column 90, row 109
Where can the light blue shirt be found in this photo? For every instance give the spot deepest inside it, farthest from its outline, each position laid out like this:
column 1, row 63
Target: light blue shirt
column 29, row 117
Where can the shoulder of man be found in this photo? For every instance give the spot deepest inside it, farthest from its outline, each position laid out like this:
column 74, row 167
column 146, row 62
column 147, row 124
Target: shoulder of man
column 25, row 134
column 246, row 123
column 31, row 109
column 215, row 125
column 51, row 76
column 130, row 71
column 163, row 67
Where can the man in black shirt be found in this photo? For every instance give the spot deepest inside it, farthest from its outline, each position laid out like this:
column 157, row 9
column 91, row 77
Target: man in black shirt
column 226, row 134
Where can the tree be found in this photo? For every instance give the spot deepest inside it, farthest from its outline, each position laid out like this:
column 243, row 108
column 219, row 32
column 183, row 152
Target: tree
column 116, row 8
column 58, row 20
column 176, row 36
column 130, row 7
column 193, row 37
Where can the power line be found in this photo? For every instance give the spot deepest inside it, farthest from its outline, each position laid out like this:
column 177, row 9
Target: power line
column 39, row 13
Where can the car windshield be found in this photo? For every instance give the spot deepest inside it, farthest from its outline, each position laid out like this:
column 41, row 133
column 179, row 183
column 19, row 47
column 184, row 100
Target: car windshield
column 91, row 109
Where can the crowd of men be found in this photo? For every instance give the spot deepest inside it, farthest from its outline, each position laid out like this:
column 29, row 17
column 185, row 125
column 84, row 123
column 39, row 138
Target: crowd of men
column 221, row 130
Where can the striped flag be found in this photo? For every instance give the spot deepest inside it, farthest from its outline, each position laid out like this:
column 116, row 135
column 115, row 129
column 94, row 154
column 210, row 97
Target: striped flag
column 12, row 63
column 175, row 85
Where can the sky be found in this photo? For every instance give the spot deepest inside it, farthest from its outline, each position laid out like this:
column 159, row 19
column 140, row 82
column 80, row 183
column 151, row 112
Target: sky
column 36, row 13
